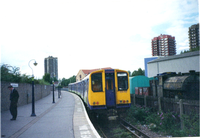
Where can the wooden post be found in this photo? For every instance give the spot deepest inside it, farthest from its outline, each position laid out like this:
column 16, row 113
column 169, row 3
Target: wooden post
column 159, row 104
column 181, row 113
column 145, row 101
column 154, row 88
column 134, row 99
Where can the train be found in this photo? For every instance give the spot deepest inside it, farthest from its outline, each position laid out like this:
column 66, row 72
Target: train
column 104, row 90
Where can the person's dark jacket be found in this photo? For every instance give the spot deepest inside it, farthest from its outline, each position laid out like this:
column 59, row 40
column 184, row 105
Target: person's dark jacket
column 14, row 96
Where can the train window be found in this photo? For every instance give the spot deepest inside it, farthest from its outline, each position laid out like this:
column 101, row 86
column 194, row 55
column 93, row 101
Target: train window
column 109, row 84
column 122, row 81
column 97, row 82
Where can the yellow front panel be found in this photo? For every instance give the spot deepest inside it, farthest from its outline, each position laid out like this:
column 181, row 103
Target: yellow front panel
column 97, row 96
column 123, row 95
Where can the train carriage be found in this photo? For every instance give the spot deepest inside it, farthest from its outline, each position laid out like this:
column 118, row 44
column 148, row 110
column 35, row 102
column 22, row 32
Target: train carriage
column 104, row 89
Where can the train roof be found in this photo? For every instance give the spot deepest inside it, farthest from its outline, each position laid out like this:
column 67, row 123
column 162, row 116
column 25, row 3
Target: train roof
column 88, row 71
column 80, row 80
column 87, row 77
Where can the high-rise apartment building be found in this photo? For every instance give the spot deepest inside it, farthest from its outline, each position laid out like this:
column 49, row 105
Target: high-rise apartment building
column 163, row 45
column 51, row 66
column 194, row 36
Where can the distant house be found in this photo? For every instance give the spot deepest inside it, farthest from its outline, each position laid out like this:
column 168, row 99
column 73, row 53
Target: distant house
column 84, row 72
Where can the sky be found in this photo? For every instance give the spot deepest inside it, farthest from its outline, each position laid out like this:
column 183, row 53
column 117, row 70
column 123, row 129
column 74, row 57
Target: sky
column 90, row 34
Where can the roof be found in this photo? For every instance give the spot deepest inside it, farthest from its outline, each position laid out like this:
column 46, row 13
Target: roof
column 88, row 71
column 163, row 36
column 140, row 81
column 189, row 54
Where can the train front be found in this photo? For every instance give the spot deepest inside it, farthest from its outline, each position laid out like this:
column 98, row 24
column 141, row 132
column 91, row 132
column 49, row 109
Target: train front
column 109, row 89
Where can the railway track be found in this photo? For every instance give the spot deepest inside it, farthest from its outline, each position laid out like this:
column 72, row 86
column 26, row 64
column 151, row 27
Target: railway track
column 101, row 132
column 106, row 131
column 136, row 132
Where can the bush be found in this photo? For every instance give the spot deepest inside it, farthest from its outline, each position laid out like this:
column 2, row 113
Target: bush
column 191, row 124
column 138, row 114
column 169, row 123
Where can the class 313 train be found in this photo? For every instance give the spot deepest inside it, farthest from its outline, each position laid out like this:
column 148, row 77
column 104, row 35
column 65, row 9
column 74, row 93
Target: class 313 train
column 103, row 90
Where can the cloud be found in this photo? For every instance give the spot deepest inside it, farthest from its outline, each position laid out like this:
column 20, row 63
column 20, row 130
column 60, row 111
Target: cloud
column 90, row 34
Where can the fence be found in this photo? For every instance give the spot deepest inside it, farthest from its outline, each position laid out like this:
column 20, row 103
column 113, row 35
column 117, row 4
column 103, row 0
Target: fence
column 25, row 93
column 181, row 106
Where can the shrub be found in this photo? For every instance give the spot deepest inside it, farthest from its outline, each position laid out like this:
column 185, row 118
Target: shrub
column 138, row 114
column 168, row 123
column 191, row 124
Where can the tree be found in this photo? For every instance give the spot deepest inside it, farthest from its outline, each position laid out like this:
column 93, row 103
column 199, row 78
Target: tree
column 129, row 72
column 53, row 79
column 12, row 74
column 66, row 82
column 9, row 73
column 47, row 78
column 190, row 50
column 138, row 72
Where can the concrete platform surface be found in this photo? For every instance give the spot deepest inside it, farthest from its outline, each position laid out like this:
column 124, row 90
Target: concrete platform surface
column 66, row 118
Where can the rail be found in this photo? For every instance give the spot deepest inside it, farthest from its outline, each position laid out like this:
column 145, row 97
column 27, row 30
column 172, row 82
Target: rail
column 132, row 129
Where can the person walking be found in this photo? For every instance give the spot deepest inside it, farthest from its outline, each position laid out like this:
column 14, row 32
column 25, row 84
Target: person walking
column 14, row 96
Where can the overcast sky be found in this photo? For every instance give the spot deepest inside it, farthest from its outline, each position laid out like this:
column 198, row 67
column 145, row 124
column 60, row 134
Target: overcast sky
column 88, row 34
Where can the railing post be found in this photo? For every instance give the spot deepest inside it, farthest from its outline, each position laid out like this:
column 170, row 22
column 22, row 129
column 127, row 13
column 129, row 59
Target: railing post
column 181, row 113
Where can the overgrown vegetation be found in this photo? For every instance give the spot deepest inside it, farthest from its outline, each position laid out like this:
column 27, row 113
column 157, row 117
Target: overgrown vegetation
column 113, row 129
column 12, row 74
column 65, row 82
column 166, row 123
column 120, row 133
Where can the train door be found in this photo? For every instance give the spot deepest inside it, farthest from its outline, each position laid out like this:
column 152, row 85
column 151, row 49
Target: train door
column 110, row 88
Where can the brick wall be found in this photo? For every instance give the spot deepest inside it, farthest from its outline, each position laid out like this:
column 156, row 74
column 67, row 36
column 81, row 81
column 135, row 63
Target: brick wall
column 25, row 93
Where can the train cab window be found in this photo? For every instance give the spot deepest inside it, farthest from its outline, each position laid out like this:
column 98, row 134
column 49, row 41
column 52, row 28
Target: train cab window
column 96, row 82
column 122, row 78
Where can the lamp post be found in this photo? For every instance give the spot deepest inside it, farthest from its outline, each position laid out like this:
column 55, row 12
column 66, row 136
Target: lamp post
column 53, row 88
column 33, row 98
column 53, row 93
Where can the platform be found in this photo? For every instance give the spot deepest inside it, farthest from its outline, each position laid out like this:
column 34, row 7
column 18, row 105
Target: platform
column 64, row 118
